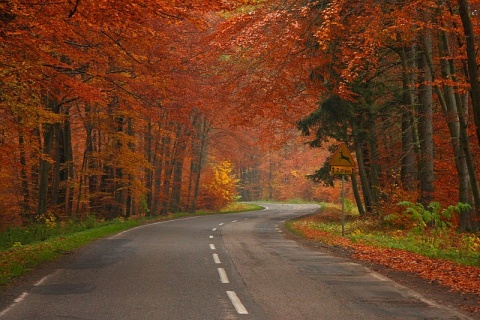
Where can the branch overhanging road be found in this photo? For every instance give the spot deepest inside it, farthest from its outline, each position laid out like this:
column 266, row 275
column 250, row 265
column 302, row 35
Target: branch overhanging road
column 235, row 266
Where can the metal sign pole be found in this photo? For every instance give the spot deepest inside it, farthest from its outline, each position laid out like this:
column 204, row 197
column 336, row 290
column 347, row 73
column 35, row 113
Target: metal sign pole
column 342, row 163
column 343, row 205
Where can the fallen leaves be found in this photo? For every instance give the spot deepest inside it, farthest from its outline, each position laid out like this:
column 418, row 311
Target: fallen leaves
column 456, row 277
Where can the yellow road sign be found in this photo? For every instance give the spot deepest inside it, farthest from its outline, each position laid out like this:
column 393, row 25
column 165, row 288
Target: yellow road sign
column 342, row 157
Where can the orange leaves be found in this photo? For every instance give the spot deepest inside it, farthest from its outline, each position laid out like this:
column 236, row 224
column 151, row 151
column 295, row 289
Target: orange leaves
column 460, row 278
column 464, row 279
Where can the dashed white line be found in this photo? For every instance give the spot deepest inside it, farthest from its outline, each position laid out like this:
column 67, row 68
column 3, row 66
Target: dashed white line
column 214, row 229
column 220, row 224
column 39, row 282
column 237, row 303
column 378, row 277
column 216, row 259
column 234, row 221
column 223, row 275
column 17, row 300
column 212, row 246
column 211, row 237
column 21, row 298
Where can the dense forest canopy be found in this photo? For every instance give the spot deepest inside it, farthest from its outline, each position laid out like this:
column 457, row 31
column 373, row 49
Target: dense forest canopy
column 122, row 108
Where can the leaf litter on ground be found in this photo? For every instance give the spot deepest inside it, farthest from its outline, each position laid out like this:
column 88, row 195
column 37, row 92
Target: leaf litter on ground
column 455, row 276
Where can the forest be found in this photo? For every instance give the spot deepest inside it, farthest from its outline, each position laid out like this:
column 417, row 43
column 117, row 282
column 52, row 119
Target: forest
column 130, row 108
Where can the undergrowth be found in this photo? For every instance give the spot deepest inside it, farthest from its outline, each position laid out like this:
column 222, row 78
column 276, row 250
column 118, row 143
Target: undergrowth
column 440, row 243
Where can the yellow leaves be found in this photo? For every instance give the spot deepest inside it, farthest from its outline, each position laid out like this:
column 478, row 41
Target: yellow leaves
column 224, row 182
column 48, row 219
column 221, row 184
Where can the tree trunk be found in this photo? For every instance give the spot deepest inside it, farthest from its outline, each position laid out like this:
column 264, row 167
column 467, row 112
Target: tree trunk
column 366, row 188
column 356, row 194
column 203, row 139
column 148, row 171
column 464, row 11
column 454, row 121
column 170, row 147
column 408, row 171
column 68, row 172
column 426, row 173
column 157, row 172
column 374, row 158
column 175, row 202
column 45, row 166
column 26, row 210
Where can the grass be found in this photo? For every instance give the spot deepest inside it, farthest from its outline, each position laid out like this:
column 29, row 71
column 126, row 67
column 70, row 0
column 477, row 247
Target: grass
column 23, row 249
column 447, row 244
column 22, row 258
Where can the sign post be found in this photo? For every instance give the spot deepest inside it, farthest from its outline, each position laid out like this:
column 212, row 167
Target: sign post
column 342, row 163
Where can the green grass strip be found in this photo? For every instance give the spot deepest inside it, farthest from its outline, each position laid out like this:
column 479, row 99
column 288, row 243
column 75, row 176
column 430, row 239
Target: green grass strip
column 21, row 259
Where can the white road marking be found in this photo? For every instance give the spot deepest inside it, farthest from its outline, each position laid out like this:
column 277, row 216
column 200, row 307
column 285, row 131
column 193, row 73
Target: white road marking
column 17, row 300
column 212, row 246
column 211, row 237
column 39, row 282
column 378, row 277
column 216, row 259
column 214, row 229
column 159, row 222
column 21, row 298
column 223, row 275
column 220, row 224
column 237, row 303
column 234, row 221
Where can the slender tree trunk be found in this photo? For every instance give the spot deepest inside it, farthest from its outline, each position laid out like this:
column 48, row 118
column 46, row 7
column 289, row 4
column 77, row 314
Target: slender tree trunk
column 44, row 165
column 26, row 210
column 118, row 182
column 408, row 171
column 366, row 188
column 148, row 171
column 374, row 157
column 68, row 171
column 175, row 202
column 129, row 200
column 62, row 175
column 270, row 176
column 171, row 145
column 464, row 11
column 356, row 194
column 44, row 171
column 426, row 173
column 157, row 172
column 204, row 130
column 454, row 121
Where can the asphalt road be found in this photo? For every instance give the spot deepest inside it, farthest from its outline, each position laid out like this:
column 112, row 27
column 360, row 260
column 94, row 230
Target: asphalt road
column 235, row 266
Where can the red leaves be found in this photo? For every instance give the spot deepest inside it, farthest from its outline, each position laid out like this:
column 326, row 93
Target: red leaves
column 459, row 278
column 464, row 279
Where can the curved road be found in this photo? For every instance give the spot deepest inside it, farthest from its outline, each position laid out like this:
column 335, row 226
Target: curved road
column 235, row 266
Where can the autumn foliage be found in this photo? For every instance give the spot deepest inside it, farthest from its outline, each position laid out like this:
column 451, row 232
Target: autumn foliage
column 114, row 109
column 129, row 107
column 396, row 81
